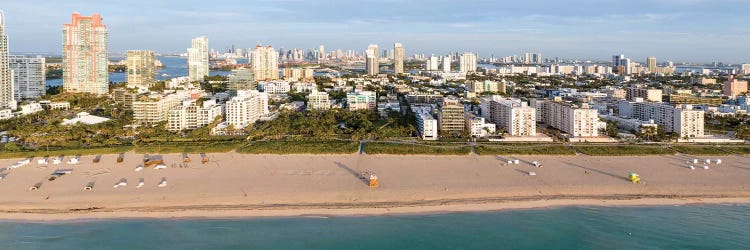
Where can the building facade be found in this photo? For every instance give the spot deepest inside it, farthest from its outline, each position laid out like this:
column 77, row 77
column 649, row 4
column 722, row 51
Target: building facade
column 372, row 60
column 265, row 63
column 734, row 87
column 398, row 58
column 573, row 120
column 141, row 68
column 514, row 116
column 198, row 59
column 451, row 117
column 468, row 62
column 246, row 108
column 155, row 109
column 318, row 101
column 85, row 56
column 29, row 80
column 241, row 79
column 192, row 116
column 363, row 100
column 427, row 125
column 681, row 119
column 651, row 95
column 6, row 79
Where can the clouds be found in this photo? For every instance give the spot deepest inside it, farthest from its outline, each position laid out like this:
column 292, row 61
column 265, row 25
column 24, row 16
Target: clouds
column 690, row 30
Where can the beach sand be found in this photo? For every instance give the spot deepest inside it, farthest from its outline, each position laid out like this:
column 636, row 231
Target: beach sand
column 237, row 185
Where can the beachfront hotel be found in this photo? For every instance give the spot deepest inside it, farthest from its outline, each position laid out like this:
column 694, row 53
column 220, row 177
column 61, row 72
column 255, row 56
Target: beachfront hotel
column 85, row 55
column 141, row 65
column 451, row 117
column 577, row 121
column 154, row 109
column 28, row 76
column 514, row 116
column 190, row 115
column 265, row 63
column 198, row 64
column 246, row 108
column 680, row 119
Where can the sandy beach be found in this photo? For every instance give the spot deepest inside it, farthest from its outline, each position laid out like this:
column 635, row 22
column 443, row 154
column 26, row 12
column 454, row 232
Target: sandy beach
column 237, row 185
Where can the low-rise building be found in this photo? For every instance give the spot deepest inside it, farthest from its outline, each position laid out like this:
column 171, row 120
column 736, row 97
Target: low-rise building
column 154, row 109
column 190, row 115
column 651, row 95
column 478, row 126
column 363, row 100
column 427, row 125
column 680, row 119
column 246, row 108
column 318, row 101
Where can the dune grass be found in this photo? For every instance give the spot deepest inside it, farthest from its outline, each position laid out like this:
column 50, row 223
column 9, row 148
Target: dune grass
column 524, row 149
column 414, row 149
column 299, row 147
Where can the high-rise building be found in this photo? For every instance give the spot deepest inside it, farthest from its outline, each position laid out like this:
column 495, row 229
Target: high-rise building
column 28, row 76
column 265, row 63
column 427, row 125
column 651, row 64
column 398, row 58
column 141, row 68
column 322, row 58
column 616, row 59
column 246, row 108
column 746, row 69
column 514, row 116
column 468, row 62
column 432, row 63
column 372, row 60
column 6, row 80
column 451, row 117
column 447, row 64
column 651, row 95
column 241, row 79
column 576, row 121
column 85, row 56
column 193, row 116
column 681, row 119
column 198, row 59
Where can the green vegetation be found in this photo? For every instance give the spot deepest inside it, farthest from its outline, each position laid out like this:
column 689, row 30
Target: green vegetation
column 299, row 147
column 68, row 152
column 524, row 149
column 615, row 150
column 189, row 147
column 414, row 149
column 703, row 150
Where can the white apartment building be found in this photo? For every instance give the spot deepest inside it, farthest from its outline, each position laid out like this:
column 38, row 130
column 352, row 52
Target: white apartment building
column 246, row 108
column 372, row 60
column 681, row 119
column 28, row 77
column 265, row 63
column 191, row 116
column 198, row 65
column 274, row 87
column 479, row 87
column 432, row 63
column 318, row 101
column 155, row 108
column 398, row 58
column 427, row 125
column 651, row 95
column 478, row 127
column 575, row 121
column 468, row 62
column 363, row 100
column 514, row 116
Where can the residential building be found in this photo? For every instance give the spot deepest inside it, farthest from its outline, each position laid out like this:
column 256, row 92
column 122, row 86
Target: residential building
column 372, row 60
column 424, row 98
column 746, row 69
column 241, row 79
column 275, row 87
column 451, row 117
column 514, row 116
column 154, row 109
column 6, row 76
column 571, row 119
column 447, row 64
column 468, row 62
column 54, row 105
column 479, row 87
column 318, row 101
column 190, row 115
column 246, row 108
column 432, row 63
column 85, row 55
column 693, row 99
column 398, row 58
column 680, row 119
column 292, row 74
column 651, row 95
column 125, row 96
column 478, row 127
column 265, row 63
column 6, row 114
column 651, row 64
column 427, row 125
column 363, row 100
column 198, row 59
column 734, row 87
column 29, row 80
column 141, row 66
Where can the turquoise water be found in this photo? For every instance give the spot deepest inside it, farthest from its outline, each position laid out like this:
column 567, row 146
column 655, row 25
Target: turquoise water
column 683, row 227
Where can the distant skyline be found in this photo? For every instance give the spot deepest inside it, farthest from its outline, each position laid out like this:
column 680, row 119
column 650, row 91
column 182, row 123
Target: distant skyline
column 676, row 30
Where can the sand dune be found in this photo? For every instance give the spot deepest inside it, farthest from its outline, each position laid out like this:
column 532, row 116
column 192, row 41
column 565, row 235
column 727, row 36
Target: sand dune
column 233, row 184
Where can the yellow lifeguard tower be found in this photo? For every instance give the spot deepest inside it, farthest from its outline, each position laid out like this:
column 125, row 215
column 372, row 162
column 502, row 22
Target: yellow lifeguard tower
column 373, row 180
column 635, row 178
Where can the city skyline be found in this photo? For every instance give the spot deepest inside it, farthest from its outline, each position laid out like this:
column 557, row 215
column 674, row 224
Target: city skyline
column 680, row 31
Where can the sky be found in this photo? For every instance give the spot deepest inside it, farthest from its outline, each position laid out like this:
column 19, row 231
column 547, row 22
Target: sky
column 671, row 30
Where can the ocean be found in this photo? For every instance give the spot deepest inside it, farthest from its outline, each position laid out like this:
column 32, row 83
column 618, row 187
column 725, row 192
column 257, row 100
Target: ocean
column 173, row 67
column 669, row 227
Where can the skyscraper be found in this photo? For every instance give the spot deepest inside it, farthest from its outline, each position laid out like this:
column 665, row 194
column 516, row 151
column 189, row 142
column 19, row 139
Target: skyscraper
column 141, row 68
column 85, row 56
column 28, row 76
column 265, row 63
column 398, row 58
column 322, row 57
column 6, row 81
column 372, row 60
column 447, row 64
column 616, row 59
column 198, row 59
column 651, row 64
column 468, row 62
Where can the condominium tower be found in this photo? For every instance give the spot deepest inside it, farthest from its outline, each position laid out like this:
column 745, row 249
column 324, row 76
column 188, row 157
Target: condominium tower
column 398, row 58
column 198, row 65
column 141, row 68
column 85, row 57
column 265, row 63
column 468, row 62
column 451, row 117
column 512, row 115
column 6, row 81
column 372, row 60
column 28, row 76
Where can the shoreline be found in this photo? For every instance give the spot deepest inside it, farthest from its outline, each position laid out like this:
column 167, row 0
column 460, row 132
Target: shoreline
column 219, row 212
column 233, row 185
